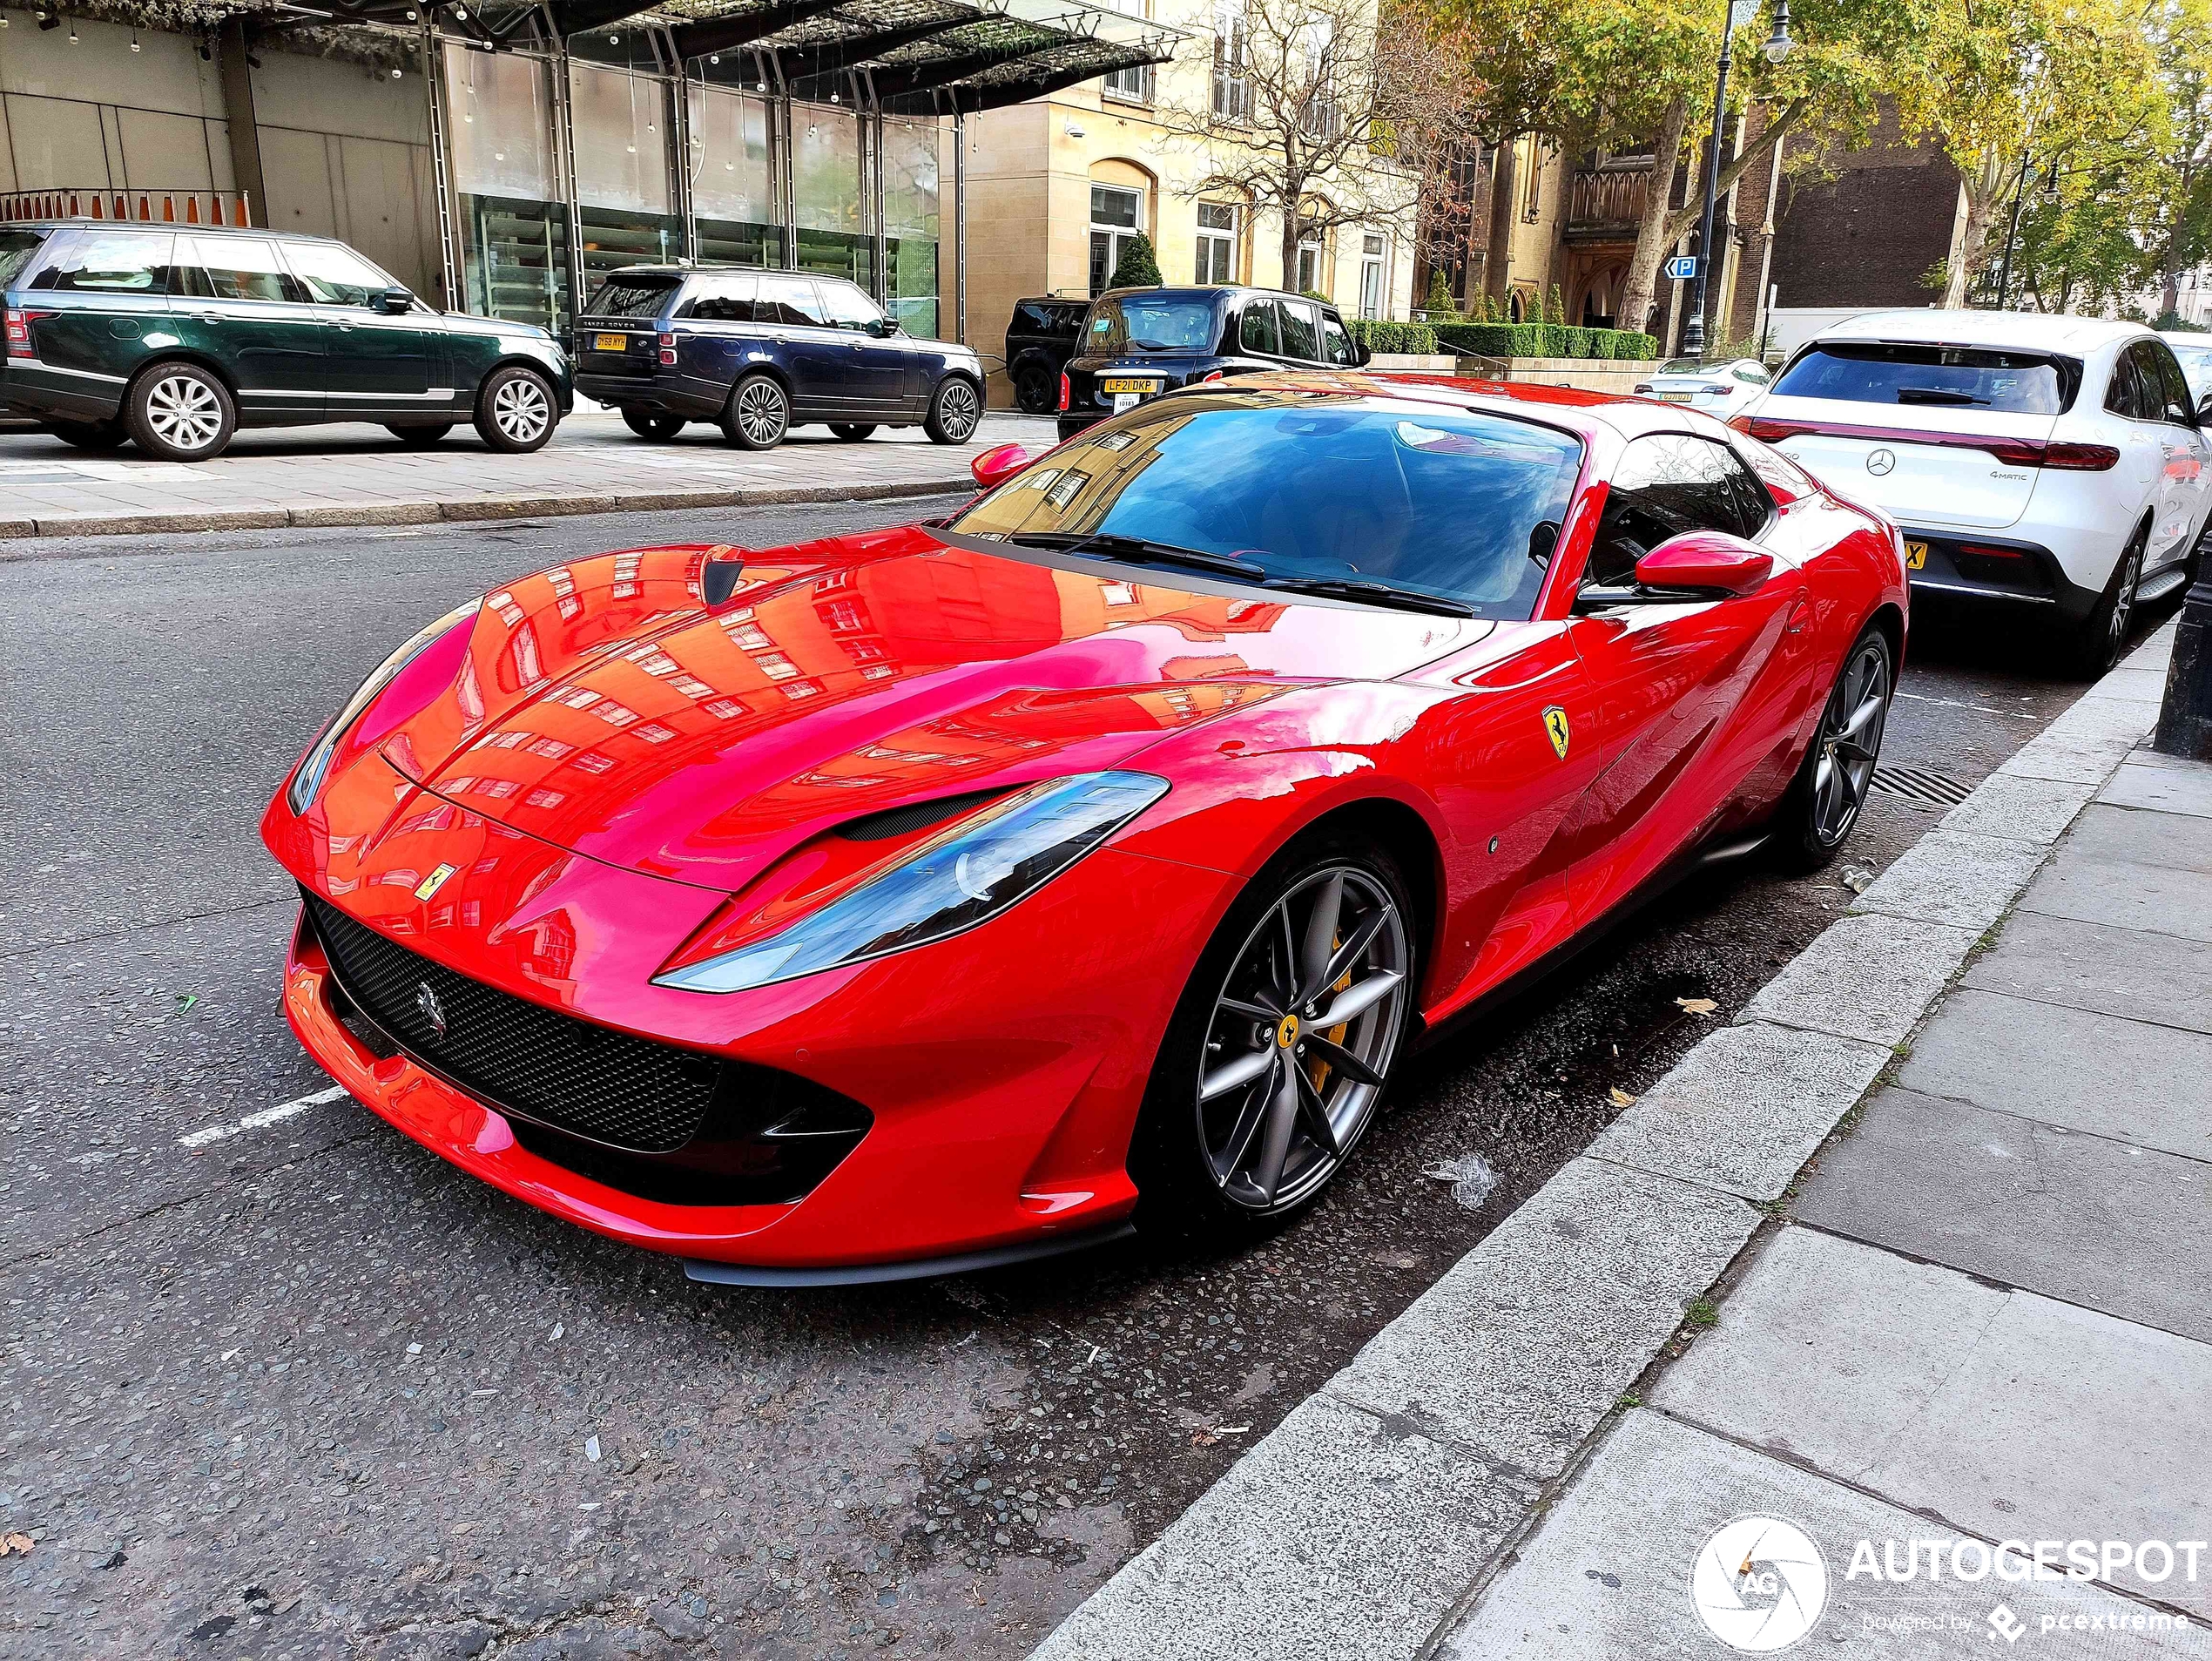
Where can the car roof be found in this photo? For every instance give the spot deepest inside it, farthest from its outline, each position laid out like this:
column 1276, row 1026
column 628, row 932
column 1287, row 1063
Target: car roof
column 1575, row 409
column 149, row 227
column 717, row 268
column 2034, row 330
column 1211, row 290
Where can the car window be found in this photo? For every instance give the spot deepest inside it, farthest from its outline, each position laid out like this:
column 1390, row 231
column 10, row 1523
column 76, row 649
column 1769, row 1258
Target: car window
column 2126, row 396
column 2195, row 360
column 632, row 296
column 1751, row 374
column 846, row 306
column 1336, row 345
column 720, row 299
column 1257, row 331
column 1664, row 484
column 1962, row 377
column 16, row 249
column 1151, row 323
column 1300, row 339
column 335, row 276
column 237, row 269
column 1463, row 503
column 788, row 302
column 113, row 262
column 2175, row 403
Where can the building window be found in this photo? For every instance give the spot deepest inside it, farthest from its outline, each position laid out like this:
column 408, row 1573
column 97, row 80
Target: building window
column 1311, row 268
column 1115, row 216
column 1216, row 242
column 1232, row 84
column 1320, row 119
column 1373, row 262
column 1134, row 84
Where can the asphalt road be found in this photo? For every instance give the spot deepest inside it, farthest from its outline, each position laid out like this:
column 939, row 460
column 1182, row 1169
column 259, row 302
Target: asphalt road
column 303, row 1390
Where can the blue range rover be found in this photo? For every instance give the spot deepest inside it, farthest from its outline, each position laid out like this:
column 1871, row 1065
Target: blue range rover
column 760, row 352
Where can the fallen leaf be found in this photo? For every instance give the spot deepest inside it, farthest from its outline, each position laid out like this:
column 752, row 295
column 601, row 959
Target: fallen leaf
column 1696, row 1006
column 20, row 1542
column 1621, row 1099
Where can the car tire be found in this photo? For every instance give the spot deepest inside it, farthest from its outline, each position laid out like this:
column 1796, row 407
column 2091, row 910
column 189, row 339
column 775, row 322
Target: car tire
column 92, row 435
column 1036, row 390
column 1204, row 1164
column 515, row 410
column 956, row 411
column 420, row 438
column 2103, row 634
column 180, row 413
column 648, row 424
column 1824, row 800
column 758, row 416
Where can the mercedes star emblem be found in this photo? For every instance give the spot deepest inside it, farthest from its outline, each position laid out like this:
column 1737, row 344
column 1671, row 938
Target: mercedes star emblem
column 1880, row 462
column 432, row 1011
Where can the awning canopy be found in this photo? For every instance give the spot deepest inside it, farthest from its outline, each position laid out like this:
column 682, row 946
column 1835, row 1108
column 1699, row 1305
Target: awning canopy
column 904, row 56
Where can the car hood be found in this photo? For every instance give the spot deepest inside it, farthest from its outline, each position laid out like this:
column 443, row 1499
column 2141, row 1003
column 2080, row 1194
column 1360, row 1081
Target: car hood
column 692, row 714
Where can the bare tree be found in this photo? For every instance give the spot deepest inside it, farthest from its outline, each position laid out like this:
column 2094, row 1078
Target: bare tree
column 1320, row 113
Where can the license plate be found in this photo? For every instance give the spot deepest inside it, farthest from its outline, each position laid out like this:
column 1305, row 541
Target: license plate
column 1676, row 397
column 1125, row 401
column 1120, row 383
column 1916, row 556
column 611, row 342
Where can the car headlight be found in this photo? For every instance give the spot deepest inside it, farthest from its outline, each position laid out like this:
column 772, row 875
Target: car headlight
column 980, row 866
column 307, row 779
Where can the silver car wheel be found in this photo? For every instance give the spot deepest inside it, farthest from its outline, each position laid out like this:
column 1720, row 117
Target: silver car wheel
column 1301, row 1038
column 958, row 411
column 1849, row 742
column 184, row 412
column 762, row 412
column 521, row 410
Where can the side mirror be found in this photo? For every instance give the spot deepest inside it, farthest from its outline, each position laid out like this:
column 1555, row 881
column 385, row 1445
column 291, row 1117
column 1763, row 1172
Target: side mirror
column 2204, row 410
column 1710, row 562
column 393, row 301
column 1362, row 353
column 884, row 327
column 994, row 467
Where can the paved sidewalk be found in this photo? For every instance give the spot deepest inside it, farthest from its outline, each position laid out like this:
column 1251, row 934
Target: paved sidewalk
column 345, row 474
column 1990, row 1319
column 1979, row 1313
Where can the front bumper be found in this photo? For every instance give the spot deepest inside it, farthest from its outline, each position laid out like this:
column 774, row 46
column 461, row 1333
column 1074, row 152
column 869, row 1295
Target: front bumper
column 1003, row 1069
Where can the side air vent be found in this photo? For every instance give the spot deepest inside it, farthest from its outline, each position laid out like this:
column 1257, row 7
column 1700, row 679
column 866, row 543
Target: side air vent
column 915, row 816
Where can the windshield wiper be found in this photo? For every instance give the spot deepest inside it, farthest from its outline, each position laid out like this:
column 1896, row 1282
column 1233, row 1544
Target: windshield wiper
column 1936, row 395
column 1137, row 550
column 1358, row 588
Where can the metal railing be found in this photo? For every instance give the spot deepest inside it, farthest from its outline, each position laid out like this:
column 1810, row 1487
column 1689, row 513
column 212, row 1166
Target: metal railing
column 153, row 206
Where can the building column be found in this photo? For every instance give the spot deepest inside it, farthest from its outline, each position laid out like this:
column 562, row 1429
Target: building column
column 238, row 110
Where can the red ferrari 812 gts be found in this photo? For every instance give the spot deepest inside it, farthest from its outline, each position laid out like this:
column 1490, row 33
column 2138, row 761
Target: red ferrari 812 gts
column 929, row 898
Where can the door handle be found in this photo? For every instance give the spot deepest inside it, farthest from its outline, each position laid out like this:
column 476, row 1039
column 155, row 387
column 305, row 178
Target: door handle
column 207, row 317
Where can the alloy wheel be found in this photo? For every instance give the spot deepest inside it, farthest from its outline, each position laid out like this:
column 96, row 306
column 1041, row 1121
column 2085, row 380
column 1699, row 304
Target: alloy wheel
column 957, row 411
column 521, row 410
column 1850, row 741
column 184, row 412
column 1301, row 1038
column 762, row 412
column 2123, row 601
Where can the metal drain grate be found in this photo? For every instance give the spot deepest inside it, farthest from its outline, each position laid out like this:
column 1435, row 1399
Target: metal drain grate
column 1919, row 784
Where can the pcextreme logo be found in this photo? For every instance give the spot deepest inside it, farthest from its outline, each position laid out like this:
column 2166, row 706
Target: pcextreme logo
column 1759, row 1584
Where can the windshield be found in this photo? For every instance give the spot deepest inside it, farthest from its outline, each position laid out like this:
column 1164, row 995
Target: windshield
column 2019, row 383
column 1148, row 323
column 16, row 249
column 1305, row 485
column 631, row 297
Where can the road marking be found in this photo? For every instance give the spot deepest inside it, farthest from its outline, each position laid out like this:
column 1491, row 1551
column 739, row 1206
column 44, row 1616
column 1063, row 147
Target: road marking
column 261, row 1120
column 1980, row 709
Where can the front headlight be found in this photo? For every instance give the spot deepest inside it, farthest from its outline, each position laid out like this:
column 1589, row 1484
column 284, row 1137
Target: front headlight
column 307, row 779
column 984, row 864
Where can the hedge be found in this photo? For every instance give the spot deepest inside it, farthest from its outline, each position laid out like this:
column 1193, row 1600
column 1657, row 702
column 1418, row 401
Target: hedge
column 1544, row 340
column 1417, row 340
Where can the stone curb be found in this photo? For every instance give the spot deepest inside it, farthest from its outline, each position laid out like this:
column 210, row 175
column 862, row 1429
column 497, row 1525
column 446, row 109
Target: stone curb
column 1358, row 1526
column 464, row 510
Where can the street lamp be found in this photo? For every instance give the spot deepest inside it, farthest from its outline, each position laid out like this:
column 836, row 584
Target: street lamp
column 1775, row 47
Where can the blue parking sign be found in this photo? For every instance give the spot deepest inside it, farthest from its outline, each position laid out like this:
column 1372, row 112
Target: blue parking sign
column 1682, row 267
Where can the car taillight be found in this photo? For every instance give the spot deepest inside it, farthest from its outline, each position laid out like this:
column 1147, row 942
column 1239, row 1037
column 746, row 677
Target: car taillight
column 1063, row 389
column 668, row 339
column 1742, row 424
column 1770, row 431
column 1987, row 551
column 19, row 344
column 667, row 356
column 2081, row 458
column 1215, row 375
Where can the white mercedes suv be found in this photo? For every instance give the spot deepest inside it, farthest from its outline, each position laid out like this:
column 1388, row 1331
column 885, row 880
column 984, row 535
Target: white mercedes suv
column 2051, row 465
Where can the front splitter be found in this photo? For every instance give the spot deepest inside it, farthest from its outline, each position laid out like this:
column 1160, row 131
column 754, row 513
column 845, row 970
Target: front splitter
column 866, row 1274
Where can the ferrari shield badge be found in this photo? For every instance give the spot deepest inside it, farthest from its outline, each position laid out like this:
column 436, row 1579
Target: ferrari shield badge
column 1555, row 724
column 436, row 880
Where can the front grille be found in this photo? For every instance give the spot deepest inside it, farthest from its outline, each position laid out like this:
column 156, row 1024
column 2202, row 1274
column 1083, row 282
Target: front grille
column 589, row 1080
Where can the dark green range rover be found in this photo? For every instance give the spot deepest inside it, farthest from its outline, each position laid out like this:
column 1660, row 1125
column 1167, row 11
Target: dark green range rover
column 175, row 336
